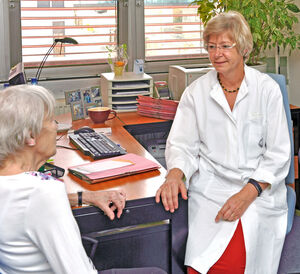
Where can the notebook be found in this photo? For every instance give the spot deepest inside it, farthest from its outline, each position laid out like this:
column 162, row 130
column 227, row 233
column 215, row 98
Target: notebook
column 111, row 168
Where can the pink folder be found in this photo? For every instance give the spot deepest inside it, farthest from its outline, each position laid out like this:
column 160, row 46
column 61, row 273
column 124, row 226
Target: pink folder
column 112, row 168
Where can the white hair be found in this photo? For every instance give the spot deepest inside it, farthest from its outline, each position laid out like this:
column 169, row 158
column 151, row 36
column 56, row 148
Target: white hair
column 22, row 111
column 238, row 28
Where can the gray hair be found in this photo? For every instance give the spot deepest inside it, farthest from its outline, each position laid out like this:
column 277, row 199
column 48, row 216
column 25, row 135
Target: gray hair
column 238, row 28
column 22, row 111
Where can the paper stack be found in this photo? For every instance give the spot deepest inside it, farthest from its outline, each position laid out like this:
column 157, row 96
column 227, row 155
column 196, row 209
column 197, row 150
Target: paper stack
column 157, row 108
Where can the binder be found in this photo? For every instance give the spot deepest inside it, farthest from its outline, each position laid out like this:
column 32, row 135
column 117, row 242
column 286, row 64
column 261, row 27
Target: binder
column 111, row 168
column 157, row 108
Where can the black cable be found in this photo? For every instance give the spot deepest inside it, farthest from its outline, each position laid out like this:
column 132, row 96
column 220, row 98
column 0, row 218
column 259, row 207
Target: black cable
column 121, row 120
column 71, row 148
column 38, row 73
column 61, row 137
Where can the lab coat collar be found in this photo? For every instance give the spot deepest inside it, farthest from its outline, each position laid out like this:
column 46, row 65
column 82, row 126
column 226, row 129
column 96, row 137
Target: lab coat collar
column 218, row 95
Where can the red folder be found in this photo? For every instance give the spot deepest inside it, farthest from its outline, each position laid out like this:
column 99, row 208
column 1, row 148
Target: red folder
column 158, row 108
column 134, row 164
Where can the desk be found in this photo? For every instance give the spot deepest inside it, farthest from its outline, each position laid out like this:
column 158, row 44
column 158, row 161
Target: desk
column 162, row 244
column 136, row 186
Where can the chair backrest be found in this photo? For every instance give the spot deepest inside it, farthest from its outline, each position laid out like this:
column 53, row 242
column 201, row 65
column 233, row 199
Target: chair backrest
column 291, row 195
column 145, row 235
column 280, row 79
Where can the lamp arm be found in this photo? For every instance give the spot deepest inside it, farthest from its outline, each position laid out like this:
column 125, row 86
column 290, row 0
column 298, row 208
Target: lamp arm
column 38, row 73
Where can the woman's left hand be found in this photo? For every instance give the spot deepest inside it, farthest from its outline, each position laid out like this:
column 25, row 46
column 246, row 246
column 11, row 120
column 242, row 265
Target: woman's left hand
column 108, row 201
column 236, row 205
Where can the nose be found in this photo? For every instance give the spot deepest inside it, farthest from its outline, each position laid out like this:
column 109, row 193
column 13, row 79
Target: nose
column 218, row 52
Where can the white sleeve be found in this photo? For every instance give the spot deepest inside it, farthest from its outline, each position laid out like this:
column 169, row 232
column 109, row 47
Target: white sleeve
column 182, row 149
column 275, row 163
column 52, row 227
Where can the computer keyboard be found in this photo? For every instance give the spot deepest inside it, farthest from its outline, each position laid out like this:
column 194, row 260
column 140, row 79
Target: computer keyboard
column 96, row 145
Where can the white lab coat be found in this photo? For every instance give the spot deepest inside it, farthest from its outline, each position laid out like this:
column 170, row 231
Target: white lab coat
column 219, row 150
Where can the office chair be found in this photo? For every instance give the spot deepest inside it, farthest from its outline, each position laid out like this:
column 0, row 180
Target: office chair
column 145, row 236
column 291, row 194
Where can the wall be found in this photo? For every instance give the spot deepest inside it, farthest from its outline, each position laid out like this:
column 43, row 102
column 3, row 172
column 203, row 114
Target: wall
column 294, row 70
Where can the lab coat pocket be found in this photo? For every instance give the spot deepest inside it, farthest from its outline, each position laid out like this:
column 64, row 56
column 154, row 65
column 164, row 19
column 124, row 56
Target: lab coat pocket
column 256, row 140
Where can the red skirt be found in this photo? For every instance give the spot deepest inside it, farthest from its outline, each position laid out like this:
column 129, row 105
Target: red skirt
column 233, row 260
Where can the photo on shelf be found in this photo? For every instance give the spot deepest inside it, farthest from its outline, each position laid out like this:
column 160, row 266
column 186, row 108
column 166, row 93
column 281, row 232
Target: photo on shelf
column 87, row 95
column 95, row 92
column 73, row 96
column 88, row 106
column 98, row 101
column 77, row 110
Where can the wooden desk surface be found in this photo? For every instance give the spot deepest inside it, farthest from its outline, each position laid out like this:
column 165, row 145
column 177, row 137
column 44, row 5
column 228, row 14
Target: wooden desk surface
column 136, row 186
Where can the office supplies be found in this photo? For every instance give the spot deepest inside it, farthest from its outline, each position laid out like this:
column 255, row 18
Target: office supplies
column 138, row 66
column 120, row 93
column 96, row 145
column 158, row 108
column 85, row 129
column 112, row 168
column 52, row 170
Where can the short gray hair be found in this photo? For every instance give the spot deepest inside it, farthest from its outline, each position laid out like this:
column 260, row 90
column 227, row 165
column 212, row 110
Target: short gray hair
column 236, row 24
column 22, row 111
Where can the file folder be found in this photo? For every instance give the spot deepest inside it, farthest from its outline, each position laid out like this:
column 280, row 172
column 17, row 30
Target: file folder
column 111, row 168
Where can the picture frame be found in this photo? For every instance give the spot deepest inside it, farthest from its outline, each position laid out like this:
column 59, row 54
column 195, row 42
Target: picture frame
column 96, row 92
column 87, row 95
column 77, row 110
column 86, row 107
column 98, row 101
column 73, row 96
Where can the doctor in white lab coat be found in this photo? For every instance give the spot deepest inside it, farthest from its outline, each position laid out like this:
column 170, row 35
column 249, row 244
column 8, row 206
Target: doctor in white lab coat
column 229, row 146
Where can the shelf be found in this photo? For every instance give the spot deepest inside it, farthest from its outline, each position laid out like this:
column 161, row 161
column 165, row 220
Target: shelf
column 131, row 94
column 117, row 92
column 131, row 86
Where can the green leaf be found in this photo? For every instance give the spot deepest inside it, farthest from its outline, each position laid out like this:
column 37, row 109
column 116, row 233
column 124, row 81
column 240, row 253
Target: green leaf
column 293, row 8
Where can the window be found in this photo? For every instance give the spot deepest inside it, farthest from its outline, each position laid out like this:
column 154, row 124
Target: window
column 93, row 24
column 172, row 30
column 162, row 32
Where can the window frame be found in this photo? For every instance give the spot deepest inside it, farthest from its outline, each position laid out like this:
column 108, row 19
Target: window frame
column 130, row 26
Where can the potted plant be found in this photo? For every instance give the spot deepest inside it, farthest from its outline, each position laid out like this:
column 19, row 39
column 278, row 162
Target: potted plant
column 117, row 58
column 271, row 22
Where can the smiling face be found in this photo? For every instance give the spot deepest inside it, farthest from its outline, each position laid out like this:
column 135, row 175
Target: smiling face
column 225, row 60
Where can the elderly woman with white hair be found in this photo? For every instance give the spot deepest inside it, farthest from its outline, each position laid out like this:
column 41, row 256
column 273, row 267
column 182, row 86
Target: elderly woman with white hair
column 229, row 146
column 38, row 233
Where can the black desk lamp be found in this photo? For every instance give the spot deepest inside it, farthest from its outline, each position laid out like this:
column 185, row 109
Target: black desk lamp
column 65, row 40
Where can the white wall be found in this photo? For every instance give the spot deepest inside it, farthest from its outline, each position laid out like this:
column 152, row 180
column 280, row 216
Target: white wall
column 294, row 70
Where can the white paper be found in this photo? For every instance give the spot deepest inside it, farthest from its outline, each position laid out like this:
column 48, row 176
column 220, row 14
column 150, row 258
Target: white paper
column 102, row 166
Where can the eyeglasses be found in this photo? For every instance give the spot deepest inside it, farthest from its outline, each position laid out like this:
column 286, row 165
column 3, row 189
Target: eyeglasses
column 223, row 47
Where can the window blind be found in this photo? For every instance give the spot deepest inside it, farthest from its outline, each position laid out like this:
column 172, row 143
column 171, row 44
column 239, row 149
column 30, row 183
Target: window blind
column 93, row 24
column 172, row 30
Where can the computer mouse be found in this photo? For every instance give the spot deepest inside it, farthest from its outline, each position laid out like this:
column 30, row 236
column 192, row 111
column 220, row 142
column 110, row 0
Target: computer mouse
column 83, row 130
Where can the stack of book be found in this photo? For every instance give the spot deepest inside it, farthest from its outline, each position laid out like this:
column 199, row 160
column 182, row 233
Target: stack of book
column 157, row 108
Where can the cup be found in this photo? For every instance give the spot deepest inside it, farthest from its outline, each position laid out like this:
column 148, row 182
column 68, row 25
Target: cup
column 119, row 67
column 101, row 114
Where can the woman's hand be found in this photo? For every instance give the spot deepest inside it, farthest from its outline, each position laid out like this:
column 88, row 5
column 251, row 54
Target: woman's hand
column 108, row 201
column 170, row 189
column 236, row 205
